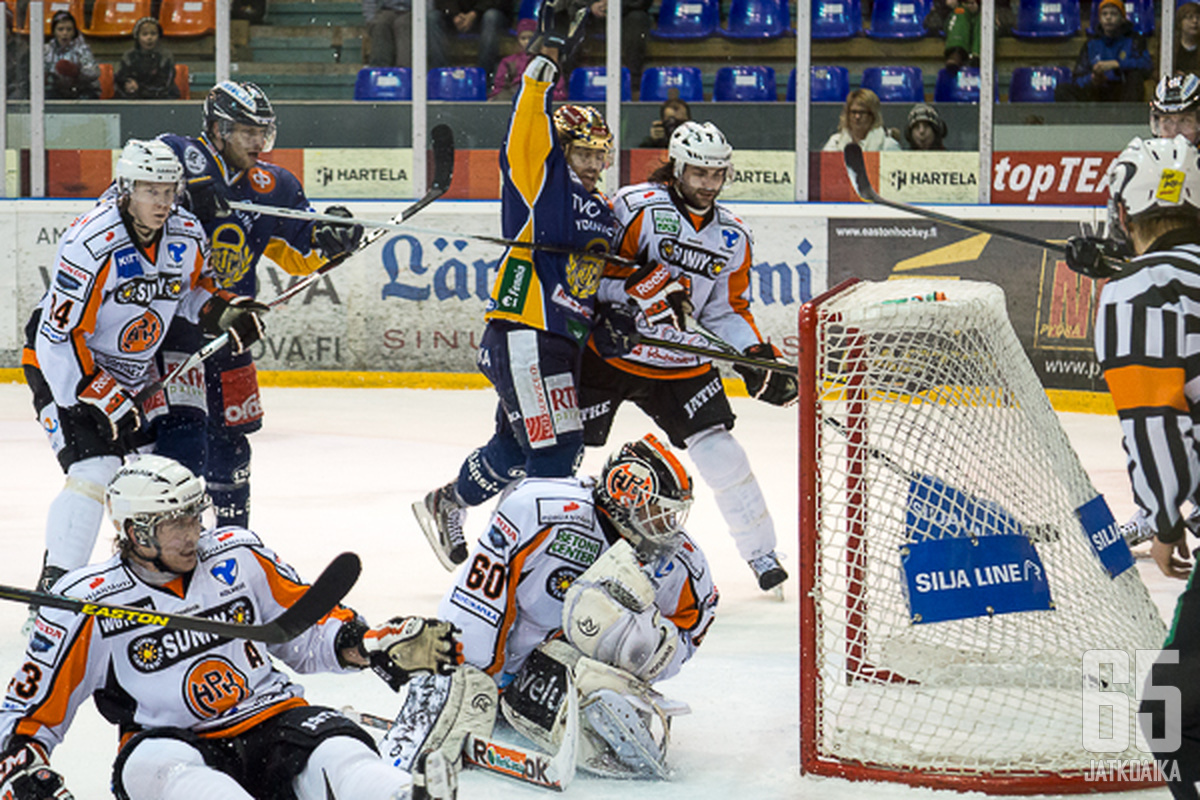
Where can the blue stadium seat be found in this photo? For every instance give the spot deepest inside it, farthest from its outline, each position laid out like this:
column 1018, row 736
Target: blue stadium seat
column 1138, row 12
column 458, row 83
column 836, row 19
column 1047, row 19
column 383, row 83
column 687, row 19
column 826, row 85
column 898, row 19
column 745, row 84
column 659, row 82
column 895, row 84
column 957, row 86
column 756, row 19
column 1036, row 84
column 587, row 85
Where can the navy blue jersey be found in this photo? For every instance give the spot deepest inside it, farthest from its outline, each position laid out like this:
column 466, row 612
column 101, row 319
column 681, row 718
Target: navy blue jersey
column 241, row 238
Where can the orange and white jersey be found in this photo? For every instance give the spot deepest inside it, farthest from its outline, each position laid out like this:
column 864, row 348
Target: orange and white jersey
column 509, row 597
column 147, row 677
column 709, row 254
column 110, row 302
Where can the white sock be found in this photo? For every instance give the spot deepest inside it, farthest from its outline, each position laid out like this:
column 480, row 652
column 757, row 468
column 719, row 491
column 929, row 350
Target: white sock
column 78, row 511
column 723, row 465
column 170, row 769
column 354, row 772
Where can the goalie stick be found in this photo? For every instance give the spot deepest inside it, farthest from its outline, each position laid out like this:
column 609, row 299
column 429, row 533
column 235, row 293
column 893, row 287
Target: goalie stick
column 443, row 174
column 318, row 600
column 512, row 761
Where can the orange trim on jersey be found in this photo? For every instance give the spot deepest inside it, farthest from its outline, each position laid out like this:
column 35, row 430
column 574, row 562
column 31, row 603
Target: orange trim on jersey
column 739, row 287
column 287, row 592
column 628, row 248
column 1138, row 386
column 29, row 358
column 249, row 722
column 87, row 321
column 291, row 260
column 687, row 610
column 175, row 586
column 52, row 711
column 510, row 606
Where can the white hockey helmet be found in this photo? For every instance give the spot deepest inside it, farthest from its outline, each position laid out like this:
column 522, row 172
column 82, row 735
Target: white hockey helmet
column 701, row 145
column 646, row 493
column 1153, row 176
column 147, row 160
column 149, row 491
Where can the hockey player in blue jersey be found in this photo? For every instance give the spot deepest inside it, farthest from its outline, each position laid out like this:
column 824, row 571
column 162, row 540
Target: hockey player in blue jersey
column 212, row 415
column 540, row 312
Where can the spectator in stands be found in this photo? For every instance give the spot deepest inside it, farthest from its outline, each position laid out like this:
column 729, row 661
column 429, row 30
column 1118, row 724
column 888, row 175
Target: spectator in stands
column 635, row 30
column 71, row 70
column 253, row 11
column 1187, row 38
column 147, row 72
column 457, row 17
column 958, row 22
column 926, row 130
column 389, row 30
column 861, row 121
column 512, row 67
column 17, row 69
column 1113, row 65
column 670, row 114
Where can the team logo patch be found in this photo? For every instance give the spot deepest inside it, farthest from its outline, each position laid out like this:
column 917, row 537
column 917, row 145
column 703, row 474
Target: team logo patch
column 476, row 607
column 553, row 511
column 175, row 251
column 515, row 277
column 564, row 404
column 226, row 572
column 193, row 159
column 129, row 264
column 559, row 581
column 260, row 180
column 731, row 237
column 230, row 257
column 575, row 547
column 239, row 391
column 141, row 334
column 214, row 685
column 583, row 272
column 163, row 648
column 46, row 641
column 665, row 221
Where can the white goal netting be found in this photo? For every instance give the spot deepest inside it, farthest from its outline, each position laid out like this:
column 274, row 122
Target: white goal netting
column 930, row 424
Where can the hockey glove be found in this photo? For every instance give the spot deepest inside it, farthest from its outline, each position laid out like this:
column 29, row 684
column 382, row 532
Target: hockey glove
column 240, row 316
column 661, row 298
column 616, row 331
column 404, row 645
column 776, row 388
column 108, row 405
column 1085, row 255
column 205, row 200
column 335, row 238
column 561, row 26
column 25, row 774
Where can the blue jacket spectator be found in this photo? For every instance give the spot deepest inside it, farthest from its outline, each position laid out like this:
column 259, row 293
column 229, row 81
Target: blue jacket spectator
column 1112, row 66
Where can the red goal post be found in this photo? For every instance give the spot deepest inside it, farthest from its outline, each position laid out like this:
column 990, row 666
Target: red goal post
column 925, row 434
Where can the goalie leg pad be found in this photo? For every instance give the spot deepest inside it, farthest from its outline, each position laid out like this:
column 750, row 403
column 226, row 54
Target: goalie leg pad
column 438, row 713
column 534, row 702
column 633, row 751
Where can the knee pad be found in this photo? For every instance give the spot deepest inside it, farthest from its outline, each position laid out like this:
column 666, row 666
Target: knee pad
column 77, row 513
column 349, row 768
column 169, row 768
column 488, row 470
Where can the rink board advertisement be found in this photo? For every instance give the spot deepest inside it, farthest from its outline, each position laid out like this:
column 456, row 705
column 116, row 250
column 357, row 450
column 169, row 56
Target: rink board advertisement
column 1052, row 308
column 412, row 302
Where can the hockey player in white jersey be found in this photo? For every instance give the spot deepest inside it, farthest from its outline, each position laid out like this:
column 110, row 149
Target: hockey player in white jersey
column 582, row 582
column 201, row 716
column 697, row 257
column 123, row 271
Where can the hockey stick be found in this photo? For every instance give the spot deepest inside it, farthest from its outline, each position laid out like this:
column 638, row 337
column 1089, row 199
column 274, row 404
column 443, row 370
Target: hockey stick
column 512, row 761
column 295, row 213
column 856, row 169
column 443, row 174
column 318, row 600
column 730, row 355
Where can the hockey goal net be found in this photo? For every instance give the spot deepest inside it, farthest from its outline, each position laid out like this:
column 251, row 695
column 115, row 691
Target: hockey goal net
column 956, row 561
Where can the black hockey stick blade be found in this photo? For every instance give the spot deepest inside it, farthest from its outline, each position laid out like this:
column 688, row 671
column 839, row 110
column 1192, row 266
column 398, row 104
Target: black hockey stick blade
column 443, row 157
column 856, row 170
column 318, row 600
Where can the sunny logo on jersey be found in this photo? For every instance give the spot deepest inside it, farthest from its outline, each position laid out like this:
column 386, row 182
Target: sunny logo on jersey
column 214, row 685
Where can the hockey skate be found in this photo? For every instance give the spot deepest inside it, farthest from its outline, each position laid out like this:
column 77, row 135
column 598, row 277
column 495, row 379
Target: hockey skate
column 441, row 516
column 770, row 573
column 1138, row 529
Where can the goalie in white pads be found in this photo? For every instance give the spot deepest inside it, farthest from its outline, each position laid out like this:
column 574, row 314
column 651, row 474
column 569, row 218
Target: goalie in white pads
column 577, row 582
column 202, row 716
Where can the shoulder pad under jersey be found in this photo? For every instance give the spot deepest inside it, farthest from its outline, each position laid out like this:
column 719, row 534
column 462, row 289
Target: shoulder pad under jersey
column 219, row 540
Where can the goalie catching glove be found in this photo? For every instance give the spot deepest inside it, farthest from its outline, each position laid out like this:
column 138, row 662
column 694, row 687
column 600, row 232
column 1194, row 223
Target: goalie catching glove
column 404, row 645
column 25, row 774
column 110, row 407
column 663, row 299
column 776, row 388
column 335, row 238
column 240, row 316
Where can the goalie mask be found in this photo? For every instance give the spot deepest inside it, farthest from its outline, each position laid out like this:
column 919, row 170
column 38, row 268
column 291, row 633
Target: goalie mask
column 1154, row 177
column 231, row 102
column 646, row 493
column 150, row 491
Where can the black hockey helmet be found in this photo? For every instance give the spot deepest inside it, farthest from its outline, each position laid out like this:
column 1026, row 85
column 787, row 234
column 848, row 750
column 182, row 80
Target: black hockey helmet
column 231, row 102
column 645, row 492
column 1175, row 108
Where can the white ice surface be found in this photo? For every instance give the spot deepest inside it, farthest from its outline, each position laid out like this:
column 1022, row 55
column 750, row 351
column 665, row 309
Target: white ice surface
column 337, row 469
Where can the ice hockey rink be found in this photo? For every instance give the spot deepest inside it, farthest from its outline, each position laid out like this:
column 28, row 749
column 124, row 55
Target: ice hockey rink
column 337, row 469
